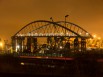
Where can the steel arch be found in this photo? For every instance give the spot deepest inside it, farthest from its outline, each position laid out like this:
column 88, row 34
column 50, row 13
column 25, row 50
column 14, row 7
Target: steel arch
column 79, row 29
column 35, row 27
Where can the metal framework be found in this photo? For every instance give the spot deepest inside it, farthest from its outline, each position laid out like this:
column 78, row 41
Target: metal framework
column 48, row 28
column 60, row 30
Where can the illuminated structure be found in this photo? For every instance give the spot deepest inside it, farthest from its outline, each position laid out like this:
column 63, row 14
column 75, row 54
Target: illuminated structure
column 1, row 45
column 95, row 43
column 43, row 36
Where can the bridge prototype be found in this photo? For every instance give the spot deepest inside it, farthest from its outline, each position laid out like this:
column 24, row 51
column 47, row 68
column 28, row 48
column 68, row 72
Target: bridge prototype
column 43, row 36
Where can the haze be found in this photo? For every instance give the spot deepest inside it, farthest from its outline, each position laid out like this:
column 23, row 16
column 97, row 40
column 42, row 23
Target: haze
column 14, row 14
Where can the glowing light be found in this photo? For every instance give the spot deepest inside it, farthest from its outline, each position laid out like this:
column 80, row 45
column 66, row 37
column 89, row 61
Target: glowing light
column 22, row 63
column 99, row 38
column 87, row 34
column 18, row 46
column 36, row 34
column 67, row 33
column 90, row 39
column 61, row 47
column 1, row 44
column 80, row 33
column 94, row 36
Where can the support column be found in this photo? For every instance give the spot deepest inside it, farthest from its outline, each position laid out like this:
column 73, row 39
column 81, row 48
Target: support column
column 20, row 45
column 29, row 44
column 67, row 45
column 83, row 44
column 76, row 45
column 13, row 44
column 35, row 43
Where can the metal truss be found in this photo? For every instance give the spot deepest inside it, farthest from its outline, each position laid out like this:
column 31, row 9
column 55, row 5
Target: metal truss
column 43, row 28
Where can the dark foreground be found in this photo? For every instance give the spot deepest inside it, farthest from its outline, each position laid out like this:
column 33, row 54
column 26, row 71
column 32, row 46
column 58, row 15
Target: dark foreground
column 80, row 66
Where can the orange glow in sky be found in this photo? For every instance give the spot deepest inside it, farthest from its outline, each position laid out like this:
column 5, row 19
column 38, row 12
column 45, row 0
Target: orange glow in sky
column 14, row 14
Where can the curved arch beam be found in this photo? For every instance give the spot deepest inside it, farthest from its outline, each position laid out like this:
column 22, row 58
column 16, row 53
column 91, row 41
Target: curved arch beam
column 28, row 25
column 59, row 26
column 76, row 26
column 46, row 25
column 55, row 23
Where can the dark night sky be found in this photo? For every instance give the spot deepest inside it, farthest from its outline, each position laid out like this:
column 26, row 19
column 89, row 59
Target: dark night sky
column 14, row 14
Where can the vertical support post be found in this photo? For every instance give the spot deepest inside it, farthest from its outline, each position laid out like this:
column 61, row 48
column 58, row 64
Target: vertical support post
column 29, row 44
column 83, row 44
column 35, row 43
column 65, row 23
column 49, row 40
column 13, row 44
column 76, row 45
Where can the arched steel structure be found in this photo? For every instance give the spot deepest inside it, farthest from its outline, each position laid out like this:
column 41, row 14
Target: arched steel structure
column 76, row 28
column 48, row 28
column 57, row 37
